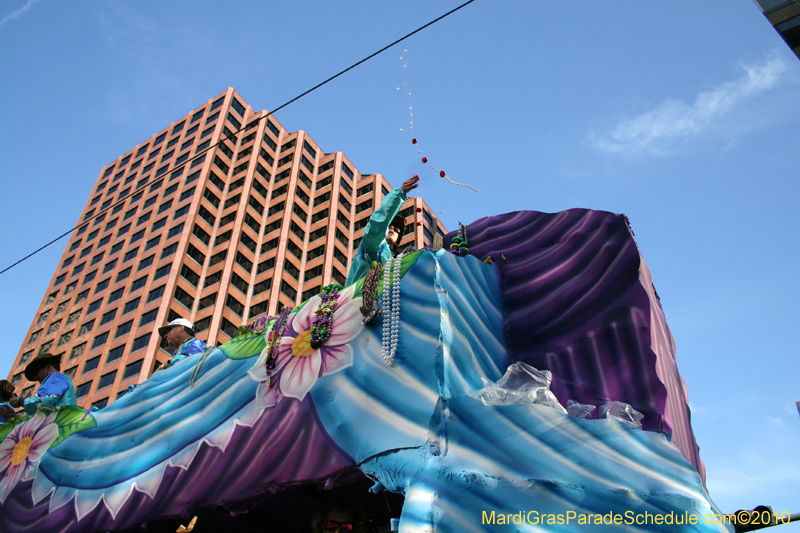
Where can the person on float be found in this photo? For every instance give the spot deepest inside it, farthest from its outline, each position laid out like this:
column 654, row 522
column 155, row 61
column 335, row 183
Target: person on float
column 56, row 389
column 6, row 393
column 179, row 337
column 381, row 239
column 345, row 516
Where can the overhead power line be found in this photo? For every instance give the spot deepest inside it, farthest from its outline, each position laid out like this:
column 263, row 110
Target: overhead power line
column 249, row 125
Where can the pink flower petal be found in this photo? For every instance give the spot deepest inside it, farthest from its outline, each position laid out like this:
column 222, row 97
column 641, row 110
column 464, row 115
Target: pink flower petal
column 6, row 449
column 41, row 442
column 346, row 323
column 335, row 358
column 346, row 295
column 304, row 318
column 300, row 375
column 266, row 396
column 10, row 480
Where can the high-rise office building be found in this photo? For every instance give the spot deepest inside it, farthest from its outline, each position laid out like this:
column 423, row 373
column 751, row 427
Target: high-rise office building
column 205, row 222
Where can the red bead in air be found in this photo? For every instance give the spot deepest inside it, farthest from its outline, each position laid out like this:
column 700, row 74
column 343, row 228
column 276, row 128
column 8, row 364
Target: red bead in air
column 424, row 159
column 441, row 173
column 419, row 210
column 414, row 140
column 415, row 176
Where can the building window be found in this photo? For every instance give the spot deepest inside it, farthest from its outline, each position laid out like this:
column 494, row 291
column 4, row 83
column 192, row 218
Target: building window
column 348, row 173
column 234, row 305
column 109, row 266
column 78, row 269
column 152, row 243
column 262, row 286
column 288, row 290
column 25, row 357
column 173, row 232
column 91, row 364
column 100, row 340
column 158, row 224
column 83, row 389
column 153, row 295
column 146, row 262
column 133, row 369
column 184, row 298
column 100, row 404
column 123, row 329
column 161, row 272
column 108, row 317
column 135, row 237
column 123, row 274
column 73, row 317
column 130, row 255
column 163, row 207
column 140, row 342
column 101, row 286
column 218, row 258
column 148, row 317
column 138, row 284
column 207, row 301
column 114, row 296
column 94, row 306
column 65, row 338
column 86, row 328
column 238, row 282
column 228, row 328
column 107, row 380
column 196, row 255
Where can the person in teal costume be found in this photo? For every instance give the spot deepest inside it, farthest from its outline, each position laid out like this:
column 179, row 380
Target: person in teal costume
column 56, row 389
column 6, row 393
column 381, row 234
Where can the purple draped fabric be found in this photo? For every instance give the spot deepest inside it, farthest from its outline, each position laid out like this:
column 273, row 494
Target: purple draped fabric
column 574, row 305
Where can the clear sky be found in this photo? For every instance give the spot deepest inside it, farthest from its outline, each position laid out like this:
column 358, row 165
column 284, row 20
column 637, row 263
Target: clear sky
column 683, row 115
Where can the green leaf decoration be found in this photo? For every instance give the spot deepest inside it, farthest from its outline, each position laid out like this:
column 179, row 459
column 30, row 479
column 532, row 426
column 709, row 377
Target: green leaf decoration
column 71, row 419
column 244, row 346
column 6, row 428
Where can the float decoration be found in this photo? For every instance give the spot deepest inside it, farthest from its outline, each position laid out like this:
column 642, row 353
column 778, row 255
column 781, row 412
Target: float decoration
column 568, row 294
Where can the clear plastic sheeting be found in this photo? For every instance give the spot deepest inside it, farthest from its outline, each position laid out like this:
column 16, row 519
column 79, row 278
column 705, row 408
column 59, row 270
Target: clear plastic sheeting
column 622, row 413
column 521, row 385
column 579, row 410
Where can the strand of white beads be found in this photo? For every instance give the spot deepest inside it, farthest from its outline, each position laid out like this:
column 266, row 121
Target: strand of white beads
column 391, row 309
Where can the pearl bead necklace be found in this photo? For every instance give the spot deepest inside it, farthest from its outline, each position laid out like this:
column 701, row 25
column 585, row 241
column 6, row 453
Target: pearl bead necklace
column 391, row 308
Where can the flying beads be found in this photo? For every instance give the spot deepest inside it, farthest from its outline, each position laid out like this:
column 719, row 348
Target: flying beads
column 441, row 173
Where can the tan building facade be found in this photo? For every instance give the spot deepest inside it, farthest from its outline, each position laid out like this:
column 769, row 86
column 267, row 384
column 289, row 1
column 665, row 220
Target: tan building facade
column 206, row 222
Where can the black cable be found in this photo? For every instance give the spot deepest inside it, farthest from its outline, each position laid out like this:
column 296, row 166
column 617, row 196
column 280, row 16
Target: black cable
column 225, row 137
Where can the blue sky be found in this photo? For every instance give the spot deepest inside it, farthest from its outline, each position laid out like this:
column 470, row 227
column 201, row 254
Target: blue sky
column 682, row 115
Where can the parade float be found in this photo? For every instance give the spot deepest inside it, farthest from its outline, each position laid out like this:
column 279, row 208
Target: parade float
column 467, row 405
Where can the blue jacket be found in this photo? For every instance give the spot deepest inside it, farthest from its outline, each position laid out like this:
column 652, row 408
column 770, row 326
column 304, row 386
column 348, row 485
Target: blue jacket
column 56, row 390
column 189, row 347
column 373, row 245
